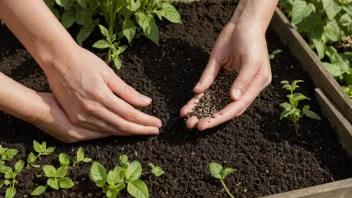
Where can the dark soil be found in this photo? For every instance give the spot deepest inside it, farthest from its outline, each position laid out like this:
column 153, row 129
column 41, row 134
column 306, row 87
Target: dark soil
column 216, row 97
column 266, row 152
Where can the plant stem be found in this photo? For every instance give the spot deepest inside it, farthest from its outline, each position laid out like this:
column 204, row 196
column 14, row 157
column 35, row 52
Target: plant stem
column 226, row 189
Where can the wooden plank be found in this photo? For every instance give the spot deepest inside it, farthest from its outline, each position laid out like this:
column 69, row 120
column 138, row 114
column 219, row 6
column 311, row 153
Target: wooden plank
column 338, row 189
column 311, row 63
column 337, row 121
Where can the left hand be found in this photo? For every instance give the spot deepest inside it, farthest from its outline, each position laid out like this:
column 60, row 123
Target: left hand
column 240, row 47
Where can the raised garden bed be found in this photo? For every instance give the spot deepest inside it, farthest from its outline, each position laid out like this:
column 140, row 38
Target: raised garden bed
column 268, row 155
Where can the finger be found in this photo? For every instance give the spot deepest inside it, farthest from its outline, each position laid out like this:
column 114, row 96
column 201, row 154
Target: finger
column 249, row 68
column 127, row 93
column 192, row 122
column 208, row 76
column 237, row 107
column 126, row 126
column 190, row 105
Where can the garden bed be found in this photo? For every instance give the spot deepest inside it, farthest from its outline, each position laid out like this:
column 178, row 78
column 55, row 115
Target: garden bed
column 268, row 155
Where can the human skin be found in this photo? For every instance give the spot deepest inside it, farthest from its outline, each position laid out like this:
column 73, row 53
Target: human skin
column 90, row 93
column 241, row 47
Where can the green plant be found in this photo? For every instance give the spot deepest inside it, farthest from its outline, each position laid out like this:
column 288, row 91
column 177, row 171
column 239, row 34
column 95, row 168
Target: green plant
column 125, row 174
column 41, row 149
column 218, row 172
column 275, row 52
column 56, row 179
column 291, row 110
column 64, row 159
column 327, row 24
column 10, row 178
column 112, row 43
column 348, row 90
column 7, row 154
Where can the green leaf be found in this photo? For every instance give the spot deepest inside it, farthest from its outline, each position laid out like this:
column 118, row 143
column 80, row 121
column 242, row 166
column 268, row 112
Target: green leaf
column 170, row 13
column 64, row 159
column 333, row 69
column 286, row 112
column 128, row 29
column 19, row 166
column 68, row 18
column 137, row 188
column 86, row 160
column 66, row 183
column 10, row 192
column 346, row 19
column 348, row 9
column 7, row 182
column 156, row 170
column 48, row 151
column 306, row 107
column 332, row 8
column 62, row 3
column 215, row 170
column 226, row 172
column 285, row 105
column 53, row 183
column 117, row 63
column 111, row 192
column 31, row 158
column 10, row 175
column 83, row 34
column 98, row 174
column 123, row 160
column 49, row 171
column 332, row 31
column 116, row 176
column 301, row 10
column 133, row 5
column 101, row 44
column 37, row 146
column 104, row 31
column 320, row 47
column 311, row 114
column 5, row 169
column 83, row 3
column 284, row 82
column 149, row 26
column 38, row 191
column 10, row 153
column 80, row 154
column 133, row 171
column 61, row 171
column 299, row 96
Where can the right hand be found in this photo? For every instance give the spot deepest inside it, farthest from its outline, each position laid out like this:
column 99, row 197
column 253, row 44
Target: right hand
column 85, row 88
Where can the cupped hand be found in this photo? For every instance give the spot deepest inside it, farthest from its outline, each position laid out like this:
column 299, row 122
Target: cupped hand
column 242, row 48
column 95, row 98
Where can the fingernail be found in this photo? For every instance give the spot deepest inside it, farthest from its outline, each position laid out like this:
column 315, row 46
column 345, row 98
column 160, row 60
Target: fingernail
column 156, row 131
column 158, row 124
column 237, row 93
column 198, row 85
column 145, row 98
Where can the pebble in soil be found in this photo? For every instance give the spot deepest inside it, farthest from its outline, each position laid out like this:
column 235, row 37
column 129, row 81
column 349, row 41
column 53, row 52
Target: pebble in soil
column 216, row 97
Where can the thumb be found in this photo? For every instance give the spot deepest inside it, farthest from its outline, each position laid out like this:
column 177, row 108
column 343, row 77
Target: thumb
column 243, row 80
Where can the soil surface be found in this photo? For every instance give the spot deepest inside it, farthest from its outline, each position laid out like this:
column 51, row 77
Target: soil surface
column 268, row 155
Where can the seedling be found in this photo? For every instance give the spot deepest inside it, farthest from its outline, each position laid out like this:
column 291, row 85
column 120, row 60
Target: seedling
column 125, row 174
column 275, row 52
column 218, row 172
column 10, row 178
column 7, row 154
column 348, row 90
column 291, row 110
column 41, row 149
column 65, row 159
column 56, row 179
column 112, row 43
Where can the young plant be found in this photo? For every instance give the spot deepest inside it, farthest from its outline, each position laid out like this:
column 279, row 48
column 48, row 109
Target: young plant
column 126, row 174
column 10, row 178
column 64, row 159
column 112, row 43
column 275, row 52
column 56, row 179
column 291, row 110
column 7, row 154
column 41, row 150
column 218, row 172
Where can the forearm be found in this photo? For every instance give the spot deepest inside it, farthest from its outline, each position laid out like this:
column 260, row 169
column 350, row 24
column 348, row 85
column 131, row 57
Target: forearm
column 21, row 101
column 38, row 30
column 258, row 12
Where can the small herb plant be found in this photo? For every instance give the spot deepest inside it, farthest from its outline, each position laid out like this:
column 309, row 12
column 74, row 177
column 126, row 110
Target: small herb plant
column 112, row 43
column 275, row 52
column 56, row 179
column 41, row 150
column 64, row 159
column 7, row 154
column 291, row 110
column 125, row 174
column 10, row 178
column 218, row 172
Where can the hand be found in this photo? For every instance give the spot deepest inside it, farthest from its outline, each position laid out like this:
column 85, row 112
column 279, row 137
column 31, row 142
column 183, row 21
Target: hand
column 86, row 91
column 240, row 47
column 55, row 122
